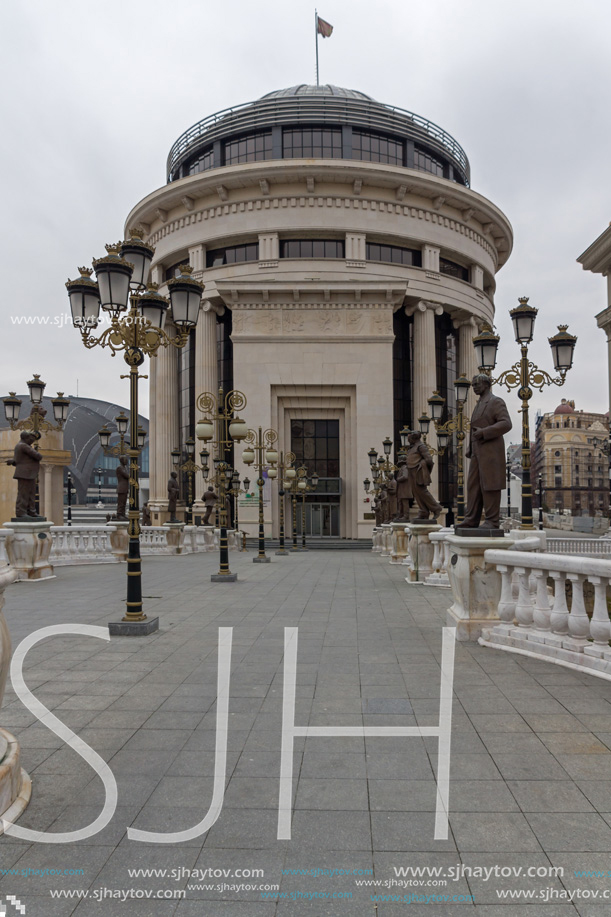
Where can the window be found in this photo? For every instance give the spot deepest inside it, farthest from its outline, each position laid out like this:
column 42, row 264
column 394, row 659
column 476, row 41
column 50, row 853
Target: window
column 453, row 269
column 558, row 482
column 313, row 142
column 316, row 445
column 203, row 162
column 425, row 162
column 557, row 453
column 393, row 254
column 249, row 148
column 377, row 148
column 171, row 272
column 557, row 469
column 312, row 248
column 233, row 254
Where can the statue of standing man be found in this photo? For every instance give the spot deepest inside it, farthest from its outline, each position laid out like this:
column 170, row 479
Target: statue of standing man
column 122, row 472
column 173, row 492
column 419, row 466
column 27, row 462
column 486, row 449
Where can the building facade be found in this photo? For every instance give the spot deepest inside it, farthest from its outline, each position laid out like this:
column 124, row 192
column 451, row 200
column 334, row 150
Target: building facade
column 571, row 462
column 347, row 266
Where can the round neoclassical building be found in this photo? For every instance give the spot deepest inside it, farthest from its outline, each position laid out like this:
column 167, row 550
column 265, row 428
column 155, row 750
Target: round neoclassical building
column 347, row 266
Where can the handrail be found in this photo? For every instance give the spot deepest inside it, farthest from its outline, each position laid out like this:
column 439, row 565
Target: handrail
column 319, row 108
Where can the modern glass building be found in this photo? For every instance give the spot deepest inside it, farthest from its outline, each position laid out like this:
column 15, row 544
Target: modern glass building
column 347, row 265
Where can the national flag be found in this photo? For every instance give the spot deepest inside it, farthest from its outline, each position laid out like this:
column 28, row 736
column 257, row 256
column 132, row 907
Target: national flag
column 323, row 28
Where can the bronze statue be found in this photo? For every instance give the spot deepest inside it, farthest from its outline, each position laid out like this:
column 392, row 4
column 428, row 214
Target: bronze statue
column 122, row 473
column 209, row 498
column 173, row 491
column 419, row 463
column 146, row 514
column 486, row 449
column 404, row 492
column 383, row 502
column 377, row 509
column 27, row 462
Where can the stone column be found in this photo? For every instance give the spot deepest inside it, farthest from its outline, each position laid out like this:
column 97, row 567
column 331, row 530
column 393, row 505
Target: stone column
column 164, row 423
column 603, row 320
column 206, row 374
column 467, row 362
column 425, row 370
column 47, row 495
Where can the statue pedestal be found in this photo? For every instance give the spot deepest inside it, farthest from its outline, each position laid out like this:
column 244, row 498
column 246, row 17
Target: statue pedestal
column 175, row 536
column 476, row 586
column 420, row 550
column 399, row 543
column 119, row 539
column 28, row 549
column 386, row 539
column 15, row 784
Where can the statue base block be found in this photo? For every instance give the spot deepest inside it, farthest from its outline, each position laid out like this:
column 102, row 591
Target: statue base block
column 119, row 539
column 28, row 550
column 133, row 628
column 476, row 586
column 399, row 543
column 15, row 783
column 420, row 550
column 479, row 533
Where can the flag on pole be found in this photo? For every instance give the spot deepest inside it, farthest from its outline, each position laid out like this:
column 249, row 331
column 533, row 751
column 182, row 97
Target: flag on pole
column 323, row 28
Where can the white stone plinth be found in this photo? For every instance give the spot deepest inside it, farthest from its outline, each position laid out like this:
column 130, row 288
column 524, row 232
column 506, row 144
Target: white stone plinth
column 5, row 534
column 28, row 549
column 399, row 543
column 119, row 539
column 175, row 536
column 420, row 550
column 476, row 585
column 386, row 540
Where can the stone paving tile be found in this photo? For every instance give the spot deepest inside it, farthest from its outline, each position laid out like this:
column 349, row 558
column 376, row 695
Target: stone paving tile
column 531, row 753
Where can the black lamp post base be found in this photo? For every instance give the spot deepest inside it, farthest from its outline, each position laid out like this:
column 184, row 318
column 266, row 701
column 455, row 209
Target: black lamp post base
column 133, row 628
column 223, row 577
column 282, row 552
column 261, row 560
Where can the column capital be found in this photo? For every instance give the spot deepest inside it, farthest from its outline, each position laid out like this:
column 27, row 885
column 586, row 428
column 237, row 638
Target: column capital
column 423, row 305
column 463, row 322
column 217, row 308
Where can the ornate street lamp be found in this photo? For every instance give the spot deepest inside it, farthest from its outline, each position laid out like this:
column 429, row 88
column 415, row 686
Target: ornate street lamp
column 311, row 484
column 35, row 423
column 285, row 463
column 221, row 429
column 136, row 330
column 189, row 467
column 261, row 454
column 524, row 374
column 459, row 425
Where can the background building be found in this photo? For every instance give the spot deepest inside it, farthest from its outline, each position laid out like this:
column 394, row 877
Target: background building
column 573, row 468
column 347, row 266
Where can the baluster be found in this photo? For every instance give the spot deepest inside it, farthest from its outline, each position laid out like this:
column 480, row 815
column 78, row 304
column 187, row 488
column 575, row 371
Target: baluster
column 579, row 623
column 541, row 613
column 559, row 618
column 600, row 626
column 507, row 605
column 524, row 606
column 436, row 562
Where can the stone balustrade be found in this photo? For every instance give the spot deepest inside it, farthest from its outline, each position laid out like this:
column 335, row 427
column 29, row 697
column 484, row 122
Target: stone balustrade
column 441, row 559
column 536, row 620
column 81, row 544
column 99, row 544
column 590, row 547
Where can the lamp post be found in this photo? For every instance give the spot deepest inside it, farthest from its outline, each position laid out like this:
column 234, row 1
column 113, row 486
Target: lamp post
column 260, row 454
column 136, row 330
column 69, row 492
column 311, row 485
column 190, row 468
column 99, row 472
column 295, row 483
column 285, row 462
column 508, row 466
column 540, row 496
column 236, row 490
column 524, row 374
column 35, row 423
column 221, row 429
column 457, row 424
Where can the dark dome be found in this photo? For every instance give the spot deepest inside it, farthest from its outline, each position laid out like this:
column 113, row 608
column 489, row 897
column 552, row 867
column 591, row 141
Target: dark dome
column 303, row 89
column 564, row 408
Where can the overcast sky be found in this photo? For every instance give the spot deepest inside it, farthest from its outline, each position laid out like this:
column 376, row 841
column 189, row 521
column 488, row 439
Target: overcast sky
column 94, row 94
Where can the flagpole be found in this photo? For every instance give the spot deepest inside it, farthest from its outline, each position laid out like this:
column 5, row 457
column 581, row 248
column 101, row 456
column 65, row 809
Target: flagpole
column 316, row 34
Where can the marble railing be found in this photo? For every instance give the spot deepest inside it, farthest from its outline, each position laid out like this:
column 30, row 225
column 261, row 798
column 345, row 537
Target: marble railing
column 81, row 544
column 103, row 544
column 538, row 621
column 591, row 547
column 441, row 559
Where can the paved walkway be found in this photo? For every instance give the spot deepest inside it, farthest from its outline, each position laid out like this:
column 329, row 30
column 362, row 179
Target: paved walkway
column 530, row 766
